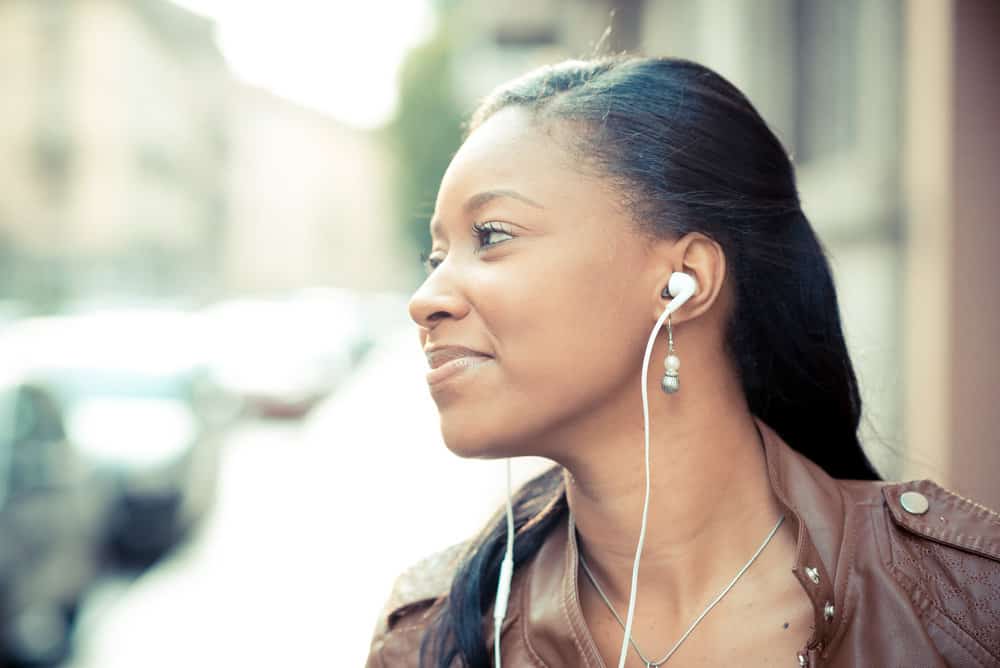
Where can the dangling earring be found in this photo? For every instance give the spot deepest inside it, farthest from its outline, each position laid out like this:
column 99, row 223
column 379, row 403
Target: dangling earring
column 670, row 383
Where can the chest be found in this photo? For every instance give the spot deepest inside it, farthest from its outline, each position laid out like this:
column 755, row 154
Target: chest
column 742, row 631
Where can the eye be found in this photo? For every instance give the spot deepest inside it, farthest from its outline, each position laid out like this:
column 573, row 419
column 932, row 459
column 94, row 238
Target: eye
column 486, row 231
column 429, row 263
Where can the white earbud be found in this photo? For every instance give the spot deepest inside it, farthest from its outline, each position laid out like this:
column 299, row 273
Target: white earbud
column 682, row 287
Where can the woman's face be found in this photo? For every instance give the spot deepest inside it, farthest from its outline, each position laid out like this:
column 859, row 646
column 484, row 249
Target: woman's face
column 555, row 288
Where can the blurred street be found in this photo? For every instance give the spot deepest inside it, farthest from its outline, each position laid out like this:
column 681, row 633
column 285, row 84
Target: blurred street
column 291, row 567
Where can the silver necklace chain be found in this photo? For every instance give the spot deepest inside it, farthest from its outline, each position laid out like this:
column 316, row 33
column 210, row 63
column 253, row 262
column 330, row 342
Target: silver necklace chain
column 655, row 664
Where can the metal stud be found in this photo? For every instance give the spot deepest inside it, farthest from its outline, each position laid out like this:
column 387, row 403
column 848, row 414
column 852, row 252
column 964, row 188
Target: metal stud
column 914, row 503
column 828, row 610
column 813, row 574
column 803, row 660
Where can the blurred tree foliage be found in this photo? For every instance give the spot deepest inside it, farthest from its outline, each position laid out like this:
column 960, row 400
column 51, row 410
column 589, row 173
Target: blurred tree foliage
column 425, row 133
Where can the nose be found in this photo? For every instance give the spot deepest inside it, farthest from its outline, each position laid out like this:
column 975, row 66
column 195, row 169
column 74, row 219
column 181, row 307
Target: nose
column 437, row 299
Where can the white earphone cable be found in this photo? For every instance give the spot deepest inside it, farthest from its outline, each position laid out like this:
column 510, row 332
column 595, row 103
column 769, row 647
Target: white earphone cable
column 645, row 503
column 506, row 574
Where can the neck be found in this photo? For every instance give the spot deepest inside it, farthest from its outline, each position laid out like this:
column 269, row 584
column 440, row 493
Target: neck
column 710, row 505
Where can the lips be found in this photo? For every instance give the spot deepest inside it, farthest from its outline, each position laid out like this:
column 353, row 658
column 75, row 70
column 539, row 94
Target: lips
column 443, row 354
column 449, row 364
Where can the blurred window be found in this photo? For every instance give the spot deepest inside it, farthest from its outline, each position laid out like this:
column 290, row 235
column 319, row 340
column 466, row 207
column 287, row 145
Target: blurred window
column 826, row 76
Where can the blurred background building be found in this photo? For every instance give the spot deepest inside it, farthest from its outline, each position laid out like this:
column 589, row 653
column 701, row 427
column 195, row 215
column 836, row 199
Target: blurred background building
column 136, row 164
column 114, row 132
column 309, row 201
column 145, row 165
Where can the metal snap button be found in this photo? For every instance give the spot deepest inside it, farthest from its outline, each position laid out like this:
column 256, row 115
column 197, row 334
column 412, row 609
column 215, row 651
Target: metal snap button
column 828, row 611
column 813, row 574
column 914, row 503
column 803, row 660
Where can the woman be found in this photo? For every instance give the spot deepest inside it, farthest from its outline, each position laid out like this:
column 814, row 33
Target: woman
column 588, row 198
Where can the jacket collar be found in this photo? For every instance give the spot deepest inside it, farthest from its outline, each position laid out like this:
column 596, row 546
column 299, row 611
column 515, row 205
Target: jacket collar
column 811, row 500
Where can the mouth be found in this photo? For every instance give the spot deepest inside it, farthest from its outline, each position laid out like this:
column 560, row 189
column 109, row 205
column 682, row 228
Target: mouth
column 437, row 357
column 464, row 366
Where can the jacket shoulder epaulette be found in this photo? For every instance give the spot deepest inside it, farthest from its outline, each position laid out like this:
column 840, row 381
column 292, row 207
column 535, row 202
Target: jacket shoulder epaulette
column 925, row 509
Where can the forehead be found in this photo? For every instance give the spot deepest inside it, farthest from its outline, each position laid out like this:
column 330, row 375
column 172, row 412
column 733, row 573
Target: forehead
column 503, row 135
column 508, row 152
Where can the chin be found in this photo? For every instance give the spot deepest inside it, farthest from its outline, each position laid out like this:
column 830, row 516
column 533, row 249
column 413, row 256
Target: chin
column 467, row 450
column 470, row 446
column 475, row 441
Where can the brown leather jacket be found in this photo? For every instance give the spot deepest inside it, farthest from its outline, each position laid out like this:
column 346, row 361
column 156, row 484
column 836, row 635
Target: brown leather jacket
column 895, row 580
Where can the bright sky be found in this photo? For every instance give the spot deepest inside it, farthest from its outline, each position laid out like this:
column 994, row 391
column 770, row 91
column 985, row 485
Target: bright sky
column 337, row 56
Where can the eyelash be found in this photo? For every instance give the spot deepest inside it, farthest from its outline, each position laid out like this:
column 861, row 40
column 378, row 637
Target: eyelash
column 479, row 230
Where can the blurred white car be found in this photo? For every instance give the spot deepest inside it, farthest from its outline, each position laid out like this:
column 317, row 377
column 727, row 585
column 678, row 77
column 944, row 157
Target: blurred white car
column 282, row 355
column 133, row 387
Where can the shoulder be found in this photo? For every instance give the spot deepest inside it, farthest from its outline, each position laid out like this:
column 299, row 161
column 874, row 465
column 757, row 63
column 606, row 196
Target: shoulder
column 416, row 593
column 922, row 514
column 924, row 509
column 421, row 584
column 943, row 551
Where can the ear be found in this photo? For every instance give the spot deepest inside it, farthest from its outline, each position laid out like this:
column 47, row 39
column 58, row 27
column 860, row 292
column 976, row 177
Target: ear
column 698, row 255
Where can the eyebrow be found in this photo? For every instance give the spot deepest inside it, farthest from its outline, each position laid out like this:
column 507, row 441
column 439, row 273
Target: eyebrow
column 479, row 200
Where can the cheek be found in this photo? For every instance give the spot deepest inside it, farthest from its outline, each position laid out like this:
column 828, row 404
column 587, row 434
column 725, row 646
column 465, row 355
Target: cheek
column 566, row 327
column 566, row 336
